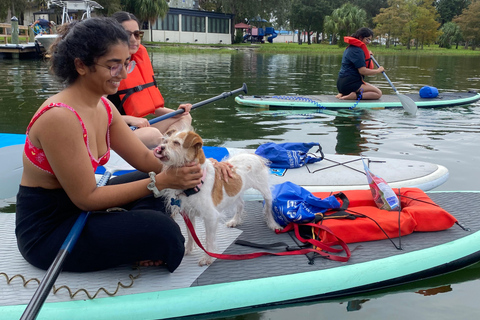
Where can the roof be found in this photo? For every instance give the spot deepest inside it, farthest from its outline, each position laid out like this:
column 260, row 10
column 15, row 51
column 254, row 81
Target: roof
column 242, row 25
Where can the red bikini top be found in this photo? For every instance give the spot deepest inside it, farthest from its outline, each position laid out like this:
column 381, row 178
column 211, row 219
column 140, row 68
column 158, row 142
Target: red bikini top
column 37, row 156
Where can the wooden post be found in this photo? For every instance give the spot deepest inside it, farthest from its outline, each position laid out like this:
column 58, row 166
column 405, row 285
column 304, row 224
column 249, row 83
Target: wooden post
column 14, row 30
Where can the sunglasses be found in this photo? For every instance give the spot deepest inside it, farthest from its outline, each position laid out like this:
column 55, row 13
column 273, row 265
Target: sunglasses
column 116, row 69
column 137, row 34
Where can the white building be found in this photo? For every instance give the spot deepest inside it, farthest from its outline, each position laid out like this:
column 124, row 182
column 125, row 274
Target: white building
column 192, row 26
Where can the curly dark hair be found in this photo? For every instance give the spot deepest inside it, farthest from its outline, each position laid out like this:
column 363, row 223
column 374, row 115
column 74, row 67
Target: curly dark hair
column 86, row 40
column 363, row 33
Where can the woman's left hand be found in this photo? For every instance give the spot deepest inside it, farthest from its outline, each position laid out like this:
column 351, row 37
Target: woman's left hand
column 224, row 167
column 185, row 106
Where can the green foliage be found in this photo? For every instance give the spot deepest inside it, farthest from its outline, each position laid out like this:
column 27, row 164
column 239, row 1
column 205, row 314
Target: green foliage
column 391, row 20
column 308, row 15
column 146, row 10
column 345, row 21
column 469, row 22
column 449, row 9
column 426, row 25
column 451, row 33
column 371, row 7
column 110, row 6
column 17, row 8
column 246, row 10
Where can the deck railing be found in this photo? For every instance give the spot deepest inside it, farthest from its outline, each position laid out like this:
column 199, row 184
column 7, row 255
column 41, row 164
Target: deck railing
column 6, row 32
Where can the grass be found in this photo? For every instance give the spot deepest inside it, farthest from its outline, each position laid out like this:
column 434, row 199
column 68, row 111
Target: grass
column 295, row 48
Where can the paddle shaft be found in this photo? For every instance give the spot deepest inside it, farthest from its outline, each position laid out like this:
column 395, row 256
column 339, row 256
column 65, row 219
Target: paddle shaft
column 196, row 105
column 407, row 103
column 386, row 77
column 41, row 294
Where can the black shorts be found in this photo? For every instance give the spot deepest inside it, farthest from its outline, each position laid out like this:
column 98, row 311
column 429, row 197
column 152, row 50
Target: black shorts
column 349, row 84
column 143, row 231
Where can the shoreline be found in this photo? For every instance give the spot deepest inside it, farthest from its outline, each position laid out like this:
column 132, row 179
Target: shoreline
column 295, row 48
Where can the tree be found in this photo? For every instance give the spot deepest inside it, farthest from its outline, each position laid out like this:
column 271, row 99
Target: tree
column 16, row 8
column 110, row 6
column 391, row 20
column 371, row 7
column 345, row 21
column 426, row 25
column 245, row 10
column 450, row 34
column 469, row 22
column 308, row 15
column 146, row 10
column 449, row 9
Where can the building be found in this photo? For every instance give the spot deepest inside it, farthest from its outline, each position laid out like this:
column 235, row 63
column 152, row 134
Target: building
column 192, row 26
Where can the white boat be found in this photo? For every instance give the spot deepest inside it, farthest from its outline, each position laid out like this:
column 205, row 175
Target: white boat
column 87, row 6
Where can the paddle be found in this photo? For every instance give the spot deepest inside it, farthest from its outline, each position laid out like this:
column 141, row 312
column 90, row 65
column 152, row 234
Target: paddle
column 116, row 163
column 196, row 105
column 408, row 104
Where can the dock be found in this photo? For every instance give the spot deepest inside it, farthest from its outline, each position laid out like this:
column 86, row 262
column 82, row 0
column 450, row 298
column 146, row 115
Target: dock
column 26, row 50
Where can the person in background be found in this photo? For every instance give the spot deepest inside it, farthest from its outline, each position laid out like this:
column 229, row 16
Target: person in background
column 69, row 136
column 41, row 26
column 356, row 64
column 133, row 103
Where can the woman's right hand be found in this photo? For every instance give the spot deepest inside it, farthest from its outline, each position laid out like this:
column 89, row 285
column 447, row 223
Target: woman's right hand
column 380, row 69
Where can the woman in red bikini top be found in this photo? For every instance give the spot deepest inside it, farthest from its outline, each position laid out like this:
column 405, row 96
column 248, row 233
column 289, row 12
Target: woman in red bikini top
column 69, row 136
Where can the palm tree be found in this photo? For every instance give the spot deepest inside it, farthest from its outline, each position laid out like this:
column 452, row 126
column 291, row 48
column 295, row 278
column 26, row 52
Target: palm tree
column 344, row 21
column 147, row 10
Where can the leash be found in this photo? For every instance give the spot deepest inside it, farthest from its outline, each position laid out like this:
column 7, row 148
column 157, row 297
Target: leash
column 322, row 252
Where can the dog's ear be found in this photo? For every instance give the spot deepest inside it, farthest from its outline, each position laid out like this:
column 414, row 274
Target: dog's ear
column 193, row 140
column 170, row 132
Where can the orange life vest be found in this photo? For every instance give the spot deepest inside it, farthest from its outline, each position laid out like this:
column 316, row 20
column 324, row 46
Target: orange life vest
column 357, row 43
column 419, row 213
column 138, row 93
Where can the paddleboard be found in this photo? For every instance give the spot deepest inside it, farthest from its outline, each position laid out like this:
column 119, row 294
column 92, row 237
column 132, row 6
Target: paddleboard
column 335, row 172
column 237, row 286
column 387, row 101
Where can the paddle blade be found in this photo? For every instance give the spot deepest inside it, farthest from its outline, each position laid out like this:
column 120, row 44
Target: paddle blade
column 408, row 104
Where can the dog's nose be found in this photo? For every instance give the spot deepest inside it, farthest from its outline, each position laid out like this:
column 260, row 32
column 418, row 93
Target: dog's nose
column 162, row 147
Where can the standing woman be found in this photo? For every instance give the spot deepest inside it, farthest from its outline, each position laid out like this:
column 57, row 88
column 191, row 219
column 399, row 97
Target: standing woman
column 356, row 64
column 134, row 104
column 68, row 137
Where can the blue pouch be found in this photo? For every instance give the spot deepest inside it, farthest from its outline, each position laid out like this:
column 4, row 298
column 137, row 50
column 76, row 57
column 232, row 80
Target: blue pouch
column 292, row 203
column 428, row 92
column 290, row 154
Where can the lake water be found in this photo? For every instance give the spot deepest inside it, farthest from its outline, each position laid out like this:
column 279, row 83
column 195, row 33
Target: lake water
column 448, row 136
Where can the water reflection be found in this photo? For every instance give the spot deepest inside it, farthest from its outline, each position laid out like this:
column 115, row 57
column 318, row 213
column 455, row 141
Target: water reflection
column 447, row 136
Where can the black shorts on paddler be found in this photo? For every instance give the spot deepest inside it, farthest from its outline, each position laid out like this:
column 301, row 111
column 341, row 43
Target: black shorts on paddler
column 349, row 84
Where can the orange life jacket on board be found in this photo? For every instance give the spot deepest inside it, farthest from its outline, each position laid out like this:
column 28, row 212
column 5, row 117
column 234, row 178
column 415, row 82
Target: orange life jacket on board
column 138, row 93
column 419, row 213
column 357, row 43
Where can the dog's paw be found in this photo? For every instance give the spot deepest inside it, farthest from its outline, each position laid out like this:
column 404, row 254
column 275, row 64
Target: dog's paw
column 205, row 261
column 188, row 248
column 274, row 226
column 232, row 223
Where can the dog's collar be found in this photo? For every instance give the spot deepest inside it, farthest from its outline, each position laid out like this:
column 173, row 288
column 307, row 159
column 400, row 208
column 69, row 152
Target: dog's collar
column 196, row 189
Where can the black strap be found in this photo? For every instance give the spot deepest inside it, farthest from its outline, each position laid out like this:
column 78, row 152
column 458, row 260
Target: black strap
column 128, row 92
column 337, row 213
column 270, row 245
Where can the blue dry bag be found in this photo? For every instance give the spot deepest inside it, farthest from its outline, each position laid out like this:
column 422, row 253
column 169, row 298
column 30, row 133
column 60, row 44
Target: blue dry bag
column 292, row 203
column 289, row 155
column 428, row 92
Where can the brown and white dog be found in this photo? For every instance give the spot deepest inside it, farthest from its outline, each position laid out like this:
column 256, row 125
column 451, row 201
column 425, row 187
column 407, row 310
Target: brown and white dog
column 215, row 195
